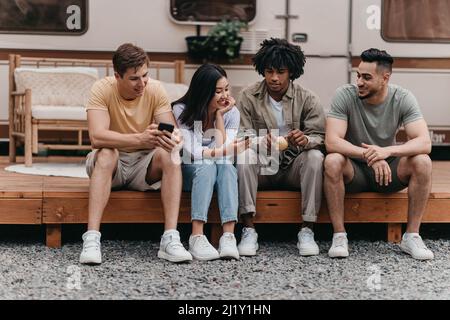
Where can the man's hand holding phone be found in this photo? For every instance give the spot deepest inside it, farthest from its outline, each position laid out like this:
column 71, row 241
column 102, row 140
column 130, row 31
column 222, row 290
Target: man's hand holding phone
column 149, row 138
column 169, row 137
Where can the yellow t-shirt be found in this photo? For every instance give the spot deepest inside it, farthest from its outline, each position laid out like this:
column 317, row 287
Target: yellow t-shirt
column 129, row 116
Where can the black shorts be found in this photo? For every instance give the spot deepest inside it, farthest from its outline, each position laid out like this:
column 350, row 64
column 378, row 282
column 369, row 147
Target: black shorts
column 364, row 178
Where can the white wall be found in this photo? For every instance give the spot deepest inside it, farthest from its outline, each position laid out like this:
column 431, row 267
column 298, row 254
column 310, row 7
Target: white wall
column 326, row 24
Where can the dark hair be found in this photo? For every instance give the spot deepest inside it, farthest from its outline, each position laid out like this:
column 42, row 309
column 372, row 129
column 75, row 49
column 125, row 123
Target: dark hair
column 278, row 53
column 381, row 57
column 129, row 56
column 201, row 90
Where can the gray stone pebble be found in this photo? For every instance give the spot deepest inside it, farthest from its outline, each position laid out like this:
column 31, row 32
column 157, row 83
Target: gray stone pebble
column 131, row 270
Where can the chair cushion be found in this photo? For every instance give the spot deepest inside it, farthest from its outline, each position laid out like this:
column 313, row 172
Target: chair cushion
column 65, row 86
column 175, row 90
column 58, row 112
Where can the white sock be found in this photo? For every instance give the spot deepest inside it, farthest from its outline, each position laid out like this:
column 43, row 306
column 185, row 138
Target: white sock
column 228, row 233
column 167, row 232
column 339, row 234
column 408, row 235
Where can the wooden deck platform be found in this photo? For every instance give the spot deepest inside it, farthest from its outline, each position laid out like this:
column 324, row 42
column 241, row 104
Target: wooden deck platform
column 53, row 201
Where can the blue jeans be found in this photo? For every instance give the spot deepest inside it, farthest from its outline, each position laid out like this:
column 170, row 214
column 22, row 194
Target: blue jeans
column 202, row 180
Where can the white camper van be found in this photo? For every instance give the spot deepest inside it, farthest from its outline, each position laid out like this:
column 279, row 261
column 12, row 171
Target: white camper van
column 331, row 32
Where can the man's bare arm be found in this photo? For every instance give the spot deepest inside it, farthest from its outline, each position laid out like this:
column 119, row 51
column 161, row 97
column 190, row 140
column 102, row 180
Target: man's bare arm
column 419, row 140
column 335, row 142
column 166, row 117
column 102, row 137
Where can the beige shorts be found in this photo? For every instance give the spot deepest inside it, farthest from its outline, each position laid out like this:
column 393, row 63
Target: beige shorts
column 131, row 170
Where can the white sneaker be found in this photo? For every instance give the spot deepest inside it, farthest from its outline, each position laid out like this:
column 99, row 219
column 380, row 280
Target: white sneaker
column 172, row 249
column 227, row 246
column 412, row 243
column 201, row 249
column 249, row 242
column 306, row 244
column 91, row 253
column 339, row 248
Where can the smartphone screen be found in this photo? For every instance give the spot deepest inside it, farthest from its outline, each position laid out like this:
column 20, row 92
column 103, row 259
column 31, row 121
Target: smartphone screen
column 165, row 126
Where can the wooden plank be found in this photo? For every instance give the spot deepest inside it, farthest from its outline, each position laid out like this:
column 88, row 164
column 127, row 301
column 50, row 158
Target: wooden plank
column 53, row 236
column 356, row 210
column 20, row 211
column 10, row 194
column 12, row 139
column 28, row 130
column 60, row 210
column 16, row 185
column 80, row 190
column 67, row 147
column 74, row 210
column 394, row 232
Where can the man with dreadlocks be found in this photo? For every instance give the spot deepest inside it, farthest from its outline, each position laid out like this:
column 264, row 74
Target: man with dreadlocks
column 278, row 103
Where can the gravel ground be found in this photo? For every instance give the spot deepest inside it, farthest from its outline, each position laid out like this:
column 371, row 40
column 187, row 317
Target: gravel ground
column 131, row 270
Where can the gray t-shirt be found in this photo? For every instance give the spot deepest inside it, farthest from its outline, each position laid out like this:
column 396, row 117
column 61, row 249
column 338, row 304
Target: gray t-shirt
column 376, row 125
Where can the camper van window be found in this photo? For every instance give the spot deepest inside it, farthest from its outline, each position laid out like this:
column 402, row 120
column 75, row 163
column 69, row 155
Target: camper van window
column 416, row 20
column 44, row 16
column 197, row 11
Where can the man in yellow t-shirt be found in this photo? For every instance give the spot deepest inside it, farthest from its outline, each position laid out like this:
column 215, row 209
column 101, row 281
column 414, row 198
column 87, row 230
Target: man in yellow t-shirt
column 130, row 152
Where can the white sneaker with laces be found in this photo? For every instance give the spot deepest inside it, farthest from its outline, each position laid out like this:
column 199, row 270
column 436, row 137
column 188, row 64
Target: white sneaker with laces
column 172, row 249
column 227, row 246
column 249, row 242
column 91, row 253
column 412, row 244
column 339, row 247
column 306, row 244
column 201, row 249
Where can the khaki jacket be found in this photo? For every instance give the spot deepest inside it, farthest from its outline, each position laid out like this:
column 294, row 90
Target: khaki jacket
column 301, row 109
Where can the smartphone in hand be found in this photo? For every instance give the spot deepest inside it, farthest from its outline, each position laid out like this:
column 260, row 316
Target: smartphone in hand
column 165, row 126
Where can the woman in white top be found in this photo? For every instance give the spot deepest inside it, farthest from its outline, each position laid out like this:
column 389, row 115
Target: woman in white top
column 209, row 122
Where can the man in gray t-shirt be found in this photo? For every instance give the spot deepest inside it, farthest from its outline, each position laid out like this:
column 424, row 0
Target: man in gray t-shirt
column 374, row 125
column 362, row 155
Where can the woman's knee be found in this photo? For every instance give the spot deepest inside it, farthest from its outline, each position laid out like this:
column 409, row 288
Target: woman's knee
column 206, row 173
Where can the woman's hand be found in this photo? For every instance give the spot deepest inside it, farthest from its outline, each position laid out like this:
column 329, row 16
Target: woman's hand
column 235, row 147
column 230, row 102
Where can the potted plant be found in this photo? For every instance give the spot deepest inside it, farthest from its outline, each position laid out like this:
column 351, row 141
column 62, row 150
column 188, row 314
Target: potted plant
column 223, row 42
column 196, row 47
